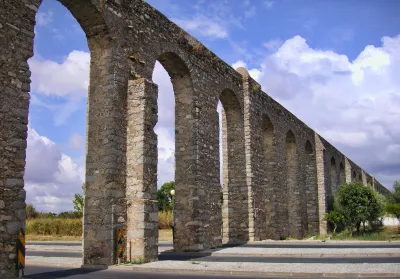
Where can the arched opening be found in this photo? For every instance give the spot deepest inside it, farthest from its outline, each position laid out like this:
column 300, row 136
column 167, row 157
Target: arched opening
column 268, row 185
column 342, row 174
column 235, row 194
column 359, row 178
column 102, row 186
column 369, row 181
column 354, row 176
column 165, row 140
column 292, row 189
column 311, row 189
column 60, row 86
column 333, row 183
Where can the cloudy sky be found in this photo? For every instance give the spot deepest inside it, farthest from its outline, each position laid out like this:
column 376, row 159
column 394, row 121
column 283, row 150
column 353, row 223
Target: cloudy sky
column 332, row 63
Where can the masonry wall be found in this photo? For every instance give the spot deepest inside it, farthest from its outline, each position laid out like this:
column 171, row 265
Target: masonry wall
column 279, row 175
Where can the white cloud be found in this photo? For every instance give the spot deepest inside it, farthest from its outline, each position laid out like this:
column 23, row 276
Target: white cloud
column 353, row 104
column 204, row 25
column 44, row 19
column 254, row 73
column 273, row 45
column 67, row 79
column 238, row 64
column 60, row 87
column 165, row 125
column 51, row 177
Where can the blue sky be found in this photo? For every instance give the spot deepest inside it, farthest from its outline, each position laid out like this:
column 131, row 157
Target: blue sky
column 332, row 63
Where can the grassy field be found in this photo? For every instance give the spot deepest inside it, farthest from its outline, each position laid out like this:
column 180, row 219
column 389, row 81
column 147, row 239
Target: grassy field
column 163, row 235
column 384, row 234
column 58, row 229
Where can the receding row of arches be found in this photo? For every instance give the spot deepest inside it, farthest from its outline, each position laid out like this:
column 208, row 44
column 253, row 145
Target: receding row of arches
column 338, row 177
column 289, row 190
column 295, row 190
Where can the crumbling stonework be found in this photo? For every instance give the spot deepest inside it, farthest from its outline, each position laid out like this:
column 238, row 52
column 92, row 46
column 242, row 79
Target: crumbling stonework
column 279, row 175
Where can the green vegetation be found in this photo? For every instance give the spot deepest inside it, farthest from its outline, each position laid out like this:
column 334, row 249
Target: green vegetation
column 164, row 197
column 381, row 234
column 356, row 205
column 32, row 213
column 393, row 204
column 334, row 218
column 79, row 201
column 138, row 260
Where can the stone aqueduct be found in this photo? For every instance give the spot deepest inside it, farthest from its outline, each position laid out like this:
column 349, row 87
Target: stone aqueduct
column 279, row 175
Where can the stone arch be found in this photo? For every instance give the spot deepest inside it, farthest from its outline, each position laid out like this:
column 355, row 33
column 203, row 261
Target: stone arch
column 143, row 158
column 99, row 208
column 235, row 201
column 292, row 189
column 182, row 84
column 89, row 17
column 311, row 188
column 342, row 174
column 268, row 156
column 105, row 134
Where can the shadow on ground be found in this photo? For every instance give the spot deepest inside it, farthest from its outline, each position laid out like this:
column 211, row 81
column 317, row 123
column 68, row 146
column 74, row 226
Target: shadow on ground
column 61, row 273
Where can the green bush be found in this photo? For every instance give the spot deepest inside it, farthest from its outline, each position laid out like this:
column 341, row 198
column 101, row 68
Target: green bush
column 334, row 218
column 164, row 197
column 359, row 204
column 31, row 211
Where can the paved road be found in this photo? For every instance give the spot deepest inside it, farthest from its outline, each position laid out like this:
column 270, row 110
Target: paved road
column 165, row 257
column 76, row 273
column 335, row 244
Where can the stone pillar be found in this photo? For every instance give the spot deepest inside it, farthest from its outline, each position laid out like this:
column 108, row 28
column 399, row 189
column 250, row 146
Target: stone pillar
column 363, row 178
column 322, row 177
column 311, row 189
column 256, row 165
column 141, row 171
column 105, row 206
column 16, row 47
column 234, row 164
column 347, row 170
column 197, row 216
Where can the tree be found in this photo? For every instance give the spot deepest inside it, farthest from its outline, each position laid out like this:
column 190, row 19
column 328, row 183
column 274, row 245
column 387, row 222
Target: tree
column 359, row 204
column 31, row 212
column 164, row 197
column 79, row 201
column 393, row 204
column 334, row 218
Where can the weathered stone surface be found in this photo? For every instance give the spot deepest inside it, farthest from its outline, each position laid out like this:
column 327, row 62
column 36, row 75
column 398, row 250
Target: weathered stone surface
column 279, row 175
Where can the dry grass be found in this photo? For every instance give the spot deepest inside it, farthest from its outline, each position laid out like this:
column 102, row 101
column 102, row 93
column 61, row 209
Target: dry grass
column 165, row 235
column 57, row 229
column 165, row 220
column 54, row 227
column 35, row 237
